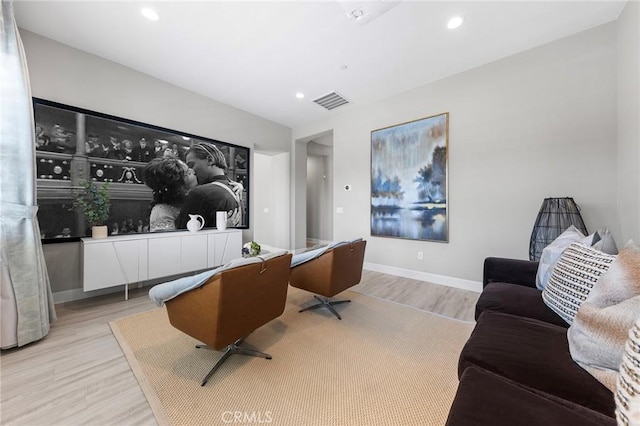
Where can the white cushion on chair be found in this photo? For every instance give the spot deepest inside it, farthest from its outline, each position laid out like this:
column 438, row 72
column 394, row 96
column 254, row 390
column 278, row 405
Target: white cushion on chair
column 164, row 292
column 306, row 256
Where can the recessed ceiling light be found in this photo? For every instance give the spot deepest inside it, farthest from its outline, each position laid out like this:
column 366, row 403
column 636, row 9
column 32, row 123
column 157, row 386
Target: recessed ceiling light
column 150, row 14
column 299, row 95
column 455, row 22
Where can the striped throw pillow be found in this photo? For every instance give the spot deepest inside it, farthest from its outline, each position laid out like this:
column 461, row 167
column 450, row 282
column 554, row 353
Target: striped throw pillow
column 573, row 277
column 628, row 389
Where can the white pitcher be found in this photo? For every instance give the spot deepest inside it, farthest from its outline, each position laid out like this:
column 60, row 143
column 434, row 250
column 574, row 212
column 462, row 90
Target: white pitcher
column 196, row 222
column 221, row 220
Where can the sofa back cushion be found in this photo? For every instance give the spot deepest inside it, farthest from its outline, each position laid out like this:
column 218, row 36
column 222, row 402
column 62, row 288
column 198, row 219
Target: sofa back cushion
column 573, row 277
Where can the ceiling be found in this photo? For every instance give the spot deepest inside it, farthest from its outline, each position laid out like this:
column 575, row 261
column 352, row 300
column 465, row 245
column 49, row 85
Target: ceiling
column 256, row 56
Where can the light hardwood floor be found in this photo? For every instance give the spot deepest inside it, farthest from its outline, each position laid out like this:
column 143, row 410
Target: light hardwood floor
column 78, row 375
column 448, row 301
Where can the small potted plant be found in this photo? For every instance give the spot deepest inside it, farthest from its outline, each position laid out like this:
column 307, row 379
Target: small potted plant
column 94, row 202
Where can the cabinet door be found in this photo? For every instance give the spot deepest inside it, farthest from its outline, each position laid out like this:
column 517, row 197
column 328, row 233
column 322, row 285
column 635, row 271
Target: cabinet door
column 143, row 260
column 100, row 267
column 233, row 248
column 113, row 263
column 164, row 257
column 223, row 247
column 128, row 260
column 194, row 253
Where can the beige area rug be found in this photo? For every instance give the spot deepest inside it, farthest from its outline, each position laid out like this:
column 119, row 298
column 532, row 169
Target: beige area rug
column 383, row 364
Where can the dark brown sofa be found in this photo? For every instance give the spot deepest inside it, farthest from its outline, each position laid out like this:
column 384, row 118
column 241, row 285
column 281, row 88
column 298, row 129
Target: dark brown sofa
column 516, row 368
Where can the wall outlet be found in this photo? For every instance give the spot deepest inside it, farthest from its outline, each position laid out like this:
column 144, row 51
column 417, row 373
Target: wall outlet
column 420, row 255
column 347, row 187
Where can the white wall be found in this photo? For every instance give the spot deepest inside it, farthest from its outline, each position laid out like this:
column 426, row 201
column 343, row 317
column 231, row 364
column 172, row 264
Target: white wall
column 538, row 124
column 628, row 124
column 319, row 192
column 315, row 170
column 298, row 175
column 70, row 76
column 63, row 74
column 262, row 165
column 271, row 192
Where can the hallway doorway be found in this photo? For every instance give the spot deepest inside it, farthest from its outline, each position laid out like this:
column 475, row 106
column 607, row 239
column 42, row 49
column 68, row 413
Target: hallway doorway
column 319, row 203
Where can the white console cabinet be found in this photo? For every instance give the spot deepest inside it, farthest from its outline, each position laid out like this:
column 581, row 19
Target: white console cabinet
column 127, row 259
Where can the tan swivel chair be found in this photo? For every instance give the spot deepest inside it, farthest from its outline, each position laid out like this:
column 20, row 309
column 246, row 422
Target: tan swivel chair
column 231, row 305
column 332, row 272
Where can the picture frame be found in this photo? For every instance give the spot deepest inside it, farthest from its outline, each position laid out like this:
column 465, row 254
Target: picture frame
column 409, row 180
column 75, row 145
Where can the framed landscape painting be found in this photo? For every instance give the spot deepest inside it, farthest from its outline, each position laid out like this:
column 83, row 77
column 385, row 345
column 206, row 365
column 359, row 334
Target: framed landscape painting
column 409, row 190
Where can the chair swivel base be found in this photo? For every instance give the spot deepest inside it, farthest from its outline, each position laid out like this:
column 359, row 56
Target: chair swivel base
column 325, row 303
column 232, row 349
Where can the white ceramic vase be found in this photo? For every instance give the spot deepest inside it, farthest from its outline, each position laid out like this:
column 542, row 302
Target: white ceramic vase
column 221, row 220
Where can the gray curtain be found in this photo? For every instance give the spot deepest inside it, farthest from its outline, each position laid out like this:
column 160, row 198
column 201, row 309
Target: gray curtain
column 26, row 299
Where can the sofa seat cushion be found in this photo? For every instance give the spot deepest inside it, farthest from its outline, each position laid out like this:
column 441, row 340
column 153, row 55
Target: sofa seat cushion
column 517, row 300
column 536, row 355
column 484, row 398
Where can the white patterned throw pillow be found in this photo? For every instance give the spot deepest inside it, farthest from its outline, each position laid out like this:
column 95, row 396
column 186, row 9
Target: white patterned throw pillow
column 601, row 240
column 573, row 277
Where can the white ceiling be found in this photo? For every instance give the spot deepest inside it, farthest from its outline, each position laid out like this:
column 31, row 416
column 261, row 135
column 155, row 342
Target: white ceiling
column 256, row 55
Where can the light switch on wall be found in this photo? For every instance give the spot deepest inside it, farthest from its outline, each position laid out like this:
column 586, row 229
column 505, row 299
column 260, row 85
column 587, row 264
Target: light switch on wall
column 339, row 210
column 266, row 209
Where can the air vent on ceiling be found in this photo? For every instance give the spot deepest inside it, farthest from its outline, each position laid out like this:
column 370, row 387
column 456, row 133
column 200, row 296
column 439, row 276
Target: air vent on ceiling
column 331, row 100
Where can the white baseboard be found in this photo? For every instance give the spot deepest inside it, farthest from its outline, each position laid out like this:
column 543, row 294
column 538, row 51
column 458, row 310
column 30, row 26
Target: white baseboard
column 426, row 276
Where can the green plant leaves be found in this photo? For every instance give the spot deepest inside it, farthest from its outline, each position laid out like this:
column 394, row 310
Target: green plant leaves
column 94, row 201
